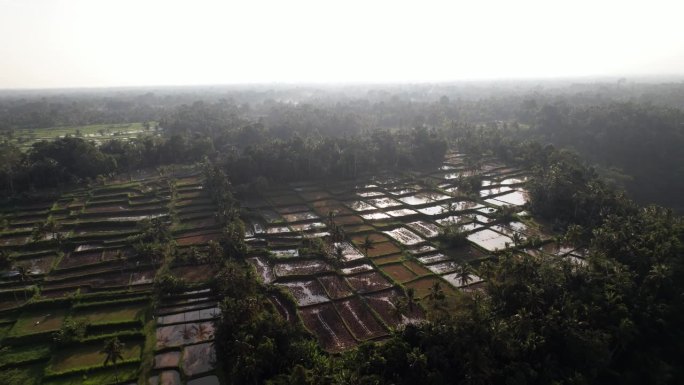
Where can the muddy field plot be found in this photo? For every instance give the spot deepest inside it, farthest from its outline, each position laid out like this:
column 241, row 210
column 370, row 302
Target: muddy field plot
column 38, row 321
column 335, row 286
column 385, row 248
column 383, row 304
column 398, row 272
column 360, row 320
column 301, row 268
column 368, row 282
column 86, row 356
column 306, row 292
column 324, row 322
column 422, row 286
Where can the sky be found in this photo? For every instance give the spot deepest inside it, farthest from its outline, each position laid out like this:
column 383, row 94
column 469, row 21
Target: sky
column 117, row 43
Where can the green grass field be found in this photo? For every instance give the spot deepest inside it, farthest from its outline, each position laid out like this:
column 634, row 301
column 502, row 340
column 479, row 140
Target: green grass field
column 88, row 356
column 107, row 315
column 38, row 322
column 19, row 354
column 24, row 375
column 97, row 377
column 24, row 138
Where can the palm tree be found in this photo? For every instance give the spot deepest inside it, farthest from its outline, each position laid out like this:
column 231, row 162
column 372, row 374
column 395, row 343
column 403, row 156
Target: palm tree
column 121, row 259
column 39, row 231
column 435, row 295
column 517, row 239
column 52, row 227
column 463, row 274
column 410, row 298
column 5, row 260
column 23, row 274
column 215, row 253
column 187, row 333
column 367, row 244
column 339, row 252
column 113, row 350
column 331, row 218
column 202, row 331
column 400, row 307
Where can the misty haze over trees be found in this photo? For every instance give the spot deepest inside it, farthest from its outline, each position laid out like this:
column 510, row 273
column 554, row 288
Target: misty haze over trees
column 632, row 132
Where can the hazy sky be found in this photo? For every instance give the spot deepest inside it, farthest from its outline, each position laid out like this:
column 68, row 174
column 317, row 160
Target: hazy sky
column 77, row 43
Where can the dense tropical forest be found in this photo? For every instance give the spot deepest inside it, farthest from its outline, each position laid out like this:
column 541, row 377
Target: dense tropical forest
column 631, row 132
column 599, row 157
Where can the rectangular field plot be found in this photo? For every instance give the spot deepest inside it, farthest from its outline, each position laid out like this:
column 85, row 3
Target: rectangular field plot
column 324, row 322
column 426, row 229
column 38, row 321
column 359, row 319
column 417, row 268
column 398, row 272
column 383, row 203
column 189, row 316
column 404, row 236
column 184, row 334
column 374, row 237
column 384, row 248
column 383, row 303
column 490, row 240
column 111, row 314
column 368, row 282
column 356, row 269
column 349, row 252
column 89, row 355
column 300, row 216
column 385, row 259
column 306, row 292
column 297, row 268
column 335, row 286
column 422, row 286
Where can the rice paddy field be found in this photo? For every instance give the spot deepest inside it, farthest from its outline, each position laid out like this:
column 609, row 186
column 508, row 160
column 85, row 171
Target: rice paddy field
column 345, row 295
column 24, row 138
column 351, row 294
column 93, row 277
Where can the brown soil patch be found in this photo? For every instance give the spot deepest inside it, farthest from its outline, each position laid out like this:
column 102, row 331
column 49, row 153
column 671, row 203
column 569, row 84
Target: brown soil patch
column 324, row 322
column 393, row 258
column 335, row 286
column 384, row 248
column 194, row 274
column 417, row 268
column 398, row 272
column 368, row 282
column 359, row 319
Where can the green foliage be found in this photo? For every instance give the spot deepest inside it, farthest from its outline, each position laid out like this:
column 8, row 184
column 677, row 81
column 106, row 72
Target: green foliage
column 453, row 235
column 71, row 331
column 254, row 342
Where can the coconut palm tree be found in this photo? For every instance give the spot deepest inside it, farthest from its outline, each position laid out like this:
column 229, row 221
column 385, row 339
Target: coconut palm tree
column 517, row 239
column 339, row 252
column 52, row 227
column 113, row 350
column 23, row 274
column 410, row 298
column 463, row 274
column 331, row 218
column 367, row 244
column 202, row 331
column 436, row 295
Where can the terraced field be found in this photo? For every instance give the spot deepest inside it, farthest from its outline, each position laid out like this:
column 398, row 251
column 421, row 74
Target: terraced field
column 350, row 293
column 24, row 138
column 77, row 262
